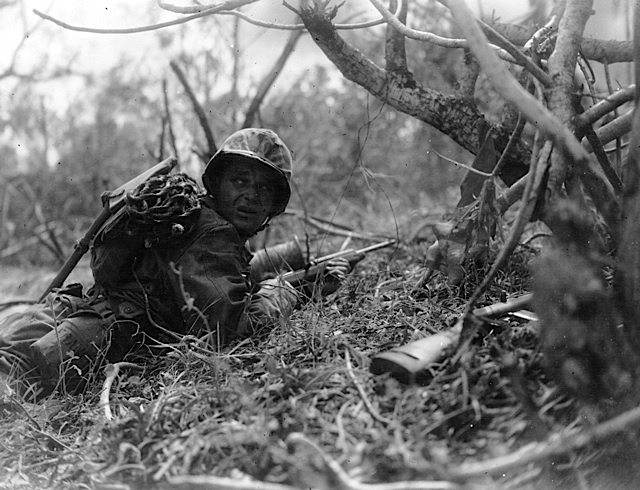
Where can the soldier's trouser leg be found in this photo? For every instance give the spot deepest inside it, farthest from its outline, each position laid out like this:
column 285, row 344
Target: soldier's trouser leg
column 52, row 343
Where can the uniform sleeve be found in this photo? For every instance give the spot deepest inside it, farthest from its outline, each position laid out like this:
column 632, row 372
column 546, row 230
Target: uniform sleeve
column 211, row 285
column 219, row 298
column 272, row 304
column 112, row 262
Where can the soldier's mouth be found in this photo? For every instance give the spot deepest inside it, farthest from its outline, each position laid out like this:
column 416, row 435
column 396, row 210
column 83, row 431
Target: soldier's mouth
column 246, row 212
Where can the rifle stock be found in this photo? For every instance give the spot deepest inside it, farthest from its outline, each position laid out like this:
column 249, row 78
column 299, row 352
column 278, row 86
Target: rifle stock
column 112, row 202
column 316, row 267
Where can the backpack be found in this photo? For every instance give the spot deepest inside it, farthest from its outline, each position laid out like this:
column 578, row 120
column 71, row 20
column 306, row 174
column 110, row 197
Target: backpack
column 154, row 214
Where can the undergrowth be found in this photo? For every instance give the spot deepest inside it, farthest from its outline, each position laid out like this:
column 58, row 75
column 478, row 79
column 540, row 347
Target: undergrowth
column 284, row 408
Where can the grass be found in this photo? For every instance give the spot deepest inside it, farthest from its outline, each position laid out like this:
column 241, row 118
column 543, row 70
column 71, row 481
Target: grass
column 300, row 409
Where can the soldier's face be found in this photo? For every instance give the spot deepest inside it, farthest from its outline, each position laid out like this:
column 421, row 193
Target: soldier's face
column 245, row 196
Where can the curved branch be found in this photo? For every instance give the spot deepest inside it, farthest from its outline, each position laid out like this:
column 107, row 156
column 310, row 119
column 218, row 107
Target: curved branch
column 518, row 55
column 600, row 50
column 444, row 42
column 178, row 9
column 605, row 106
column 457, row 117
column 230, row 5
column 616, row 128
column 111, row 372
column 553, row 446
column 297, row 27
column 505, row 48
column 198, row 12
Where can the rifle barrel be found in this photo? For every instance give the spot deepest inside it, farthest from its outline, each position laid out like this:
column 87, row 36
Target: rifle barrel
column 315, row 266
column 376, row 246
column 350, row 251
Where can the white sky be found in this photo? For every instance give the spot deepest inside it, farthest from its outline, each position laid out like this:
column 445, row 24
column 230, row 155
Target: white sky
column 97, row 52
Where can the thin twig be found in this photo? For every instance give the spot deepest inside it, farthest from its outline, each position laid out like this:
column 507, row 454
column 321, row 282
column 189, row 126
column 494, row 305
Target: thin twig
column 468, row 167
column 333, row 228
column 224, row 9
column 518, row 55
column 372, row 410
column 198, row 109
column 536, row 173
column 345, row 482
column 444, row 42
column 133, row 30
column 111, row 372
column 603, row 160
column 555, row 445
column 511, row 144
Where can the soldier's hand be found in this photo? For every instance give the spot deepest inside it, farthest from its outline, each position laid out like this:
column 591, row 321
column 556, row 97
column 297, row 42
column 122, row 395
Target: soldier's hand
column 335, row 272
column 338, row 269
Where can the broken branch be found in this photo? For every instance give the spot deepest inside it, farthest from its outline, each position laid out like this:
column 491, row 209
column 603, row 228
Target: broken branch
column 111, row 371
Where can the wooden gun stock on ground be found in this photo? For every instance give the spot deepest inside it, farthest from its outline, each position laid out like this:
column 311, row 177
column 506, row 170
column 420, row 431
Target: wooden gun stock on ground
column 406, row 362
column 112, row 202
column 316, row 267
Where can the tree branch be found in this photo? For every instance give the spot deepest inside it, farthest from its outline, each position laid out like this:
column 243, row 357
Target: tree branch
column 604, row 107
column 268, row 81
column 395, row 50
column 561, row 65
column 457, row 117
column 510, row 89
column 602, row 51
column 230, row 5
column 200, row 113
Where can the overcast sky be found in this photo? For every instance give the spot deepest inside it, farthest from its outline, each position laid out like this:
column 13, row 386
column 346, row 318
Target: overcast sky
column 99, row 51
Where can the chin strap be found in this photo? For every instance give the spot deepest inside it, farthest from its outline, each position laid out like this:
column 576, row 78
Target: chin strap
column 264, row 225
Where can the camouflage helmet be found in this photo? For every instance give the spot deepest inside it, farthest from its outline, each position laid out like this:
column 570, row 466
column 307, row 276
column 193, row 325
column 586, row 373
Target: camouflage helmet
column 255, row 145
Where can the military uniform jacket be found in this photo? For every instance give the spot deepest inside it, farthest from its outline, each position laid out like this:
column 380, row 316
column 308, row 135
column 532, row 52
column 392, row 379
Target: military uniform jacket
column 197, row 283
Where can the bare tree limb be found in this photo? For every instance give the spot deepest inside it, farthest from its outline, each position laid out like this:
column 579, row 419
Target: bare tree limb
column 510, row 89
column 456, row 116
column 605, row 106
column 230, row 5
column 562, row 64
column 202, row 116
column 169, row 119
column 518, row 55
column 602, row 51
column 395, row 50
column 603, row 160
column 615, row 129
column 554, row 446
column 444, row 42
column 268, row 81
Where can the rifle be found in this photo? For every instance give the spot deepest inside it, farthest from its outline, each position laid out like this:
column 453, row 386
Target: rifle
column 317, row 266
column 406, row 362
column 112, row 202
